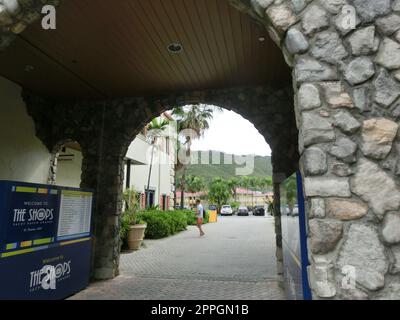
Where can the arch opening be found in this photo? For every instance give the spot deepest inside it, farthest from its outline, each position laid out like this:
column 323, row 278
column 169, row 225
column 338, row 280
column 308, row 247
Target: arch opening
column 251, row 198
column 66, row 164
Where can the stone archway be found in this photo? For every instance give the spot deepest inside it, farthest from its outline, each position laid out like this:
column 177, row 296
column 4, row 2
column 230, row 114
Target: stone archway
column 106, row 128
column 347, row 89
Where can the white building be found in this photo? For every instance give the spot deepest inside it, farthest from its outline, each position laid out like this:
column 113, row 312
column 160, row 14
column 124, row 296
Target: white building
column 160, row 190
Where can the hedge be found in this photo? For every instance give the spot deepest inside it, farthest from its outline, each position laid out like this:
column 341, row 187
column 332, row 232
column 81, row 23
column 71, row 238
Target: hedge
column 161, row 224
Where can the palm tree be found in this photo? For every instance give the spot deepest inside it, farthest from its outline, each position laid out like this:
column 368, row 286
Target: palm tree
column 233, row 184
column 154, row 130
column 245, row 183
column 192, row 121
column 254, row 184
column 195, row 184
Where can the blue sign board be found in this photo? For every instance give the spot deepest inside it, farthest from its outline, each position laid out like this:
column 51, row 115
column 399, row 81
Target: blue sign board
column 45, row 240
column 294, row 239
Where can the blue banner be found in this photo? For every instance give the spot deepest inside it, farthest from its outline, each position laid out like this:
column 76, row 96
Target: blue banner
column 45, row 240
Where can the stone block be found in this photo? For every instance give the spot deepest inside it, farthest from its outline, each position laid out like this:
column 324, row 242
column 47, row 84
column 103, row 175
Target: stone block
column 364, row 251
column 391, row 228
column 387, row 90
column 345, row 209
column 389, row 54
column 296, row 42
column 317, row 208
column 344, row 149
column 376, row 187
column 363, row 41
column 322, row 280
column 316, row 129
column 309, row 97
column 324, row 235
column 341, row 169
column 359, row 70
column 389, row 24
column 314, row 162
column 327, row 187
column 369, row 10
column 315, row 19
column 328, row 47
column 378, row 135
column 282, row 17
column 310, row 70
column 346, row 122
column 336, row 95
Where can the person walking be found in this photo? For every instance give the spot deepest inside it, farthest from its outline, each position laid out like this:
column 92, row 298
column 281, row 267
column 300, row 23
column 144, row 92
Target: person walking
column 200, row 216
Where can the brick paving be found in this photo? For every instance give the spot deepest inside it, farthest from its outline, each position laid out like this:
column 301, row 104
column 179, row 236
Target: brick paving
column 236, row 260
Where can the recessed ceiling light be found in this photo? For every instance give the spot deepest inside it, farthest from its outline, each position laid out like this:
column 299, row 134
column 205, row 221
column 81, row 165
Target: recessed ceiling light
column 261, row 39
column 29, row 68
column 175, row 47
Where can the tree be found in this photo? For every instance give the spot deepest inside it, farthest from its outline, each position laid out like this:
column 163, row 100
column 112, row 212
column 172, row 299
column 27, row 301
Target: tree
column 154, row 130
column 254, row 183
column 266, row 183
column 192, row 122
column 233, row 184
column 219, row 192
column 245, row 182
column 195, row 184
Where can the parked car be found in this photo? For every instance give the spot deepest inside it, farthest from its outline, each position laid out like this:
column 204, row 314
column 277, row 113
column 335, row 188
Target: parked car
column 226, row 210
column 243, row 211
column 259, row 211
column 291, row 212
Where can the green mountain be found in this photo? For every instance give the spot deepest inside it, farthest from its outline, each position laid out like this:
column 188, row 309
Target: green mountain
column 262, row 166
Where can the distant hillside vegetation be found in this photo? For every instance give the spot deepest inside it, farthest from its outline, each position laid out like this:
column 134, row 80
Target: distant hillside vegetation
column 262, row 167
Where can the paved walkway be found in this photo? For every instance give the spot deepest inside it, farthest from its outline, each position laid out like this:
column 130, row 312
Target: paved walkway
column 236, row 260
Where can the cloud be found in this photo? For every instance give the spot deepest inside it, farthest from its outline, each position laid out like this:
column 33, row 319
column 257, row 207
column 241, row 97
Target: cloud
column 231, row 133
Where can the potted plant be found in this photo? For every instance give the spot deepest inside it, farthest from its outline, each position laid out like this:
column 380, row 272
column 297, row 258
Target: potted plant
column 136, row 235
column 133, row 230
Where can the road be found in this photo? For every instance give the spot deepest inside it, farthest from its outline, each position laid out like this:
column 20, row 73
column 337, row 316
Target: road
column 235, row 260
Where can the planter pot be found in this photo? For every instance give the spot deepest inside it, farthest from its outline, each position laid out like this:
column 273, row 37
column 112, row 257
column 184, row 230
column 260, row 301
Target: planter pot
column 135, row 236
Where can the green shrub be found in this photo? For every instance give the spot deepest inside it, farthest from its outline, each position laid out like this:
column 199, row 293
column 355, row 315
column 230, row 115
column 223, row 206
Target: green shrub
column 161, row 224
column 190, row 218
column 158, row 226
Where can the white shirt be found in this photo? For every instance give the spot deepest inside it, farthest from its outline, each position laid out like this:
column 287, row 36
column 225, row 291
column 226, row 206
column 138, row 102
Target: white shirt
column 200, row 211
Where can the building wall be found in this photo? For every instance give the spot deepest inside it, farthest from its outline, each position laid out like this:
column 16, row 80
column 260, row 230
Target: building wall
column 23, row 157
column 162, row 175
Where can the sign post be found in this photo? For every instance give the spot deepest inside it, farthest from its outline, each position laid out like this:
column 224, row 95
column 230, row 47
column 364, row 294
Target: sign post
column 45, row 240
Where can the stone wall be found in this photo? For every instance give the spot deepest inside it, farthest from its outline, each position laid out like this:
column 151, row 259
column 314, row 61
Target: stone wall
column 106, row 128
column 347, row 89
column 17, row 15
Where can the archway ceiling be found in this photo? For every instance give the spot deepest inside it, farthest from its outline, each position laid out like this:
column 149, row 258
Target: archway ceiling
column 119, row 48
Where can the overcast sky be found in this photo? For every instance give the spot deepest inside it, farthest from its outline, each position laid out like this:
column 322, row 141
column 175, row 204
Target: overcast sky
column 231, row 133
